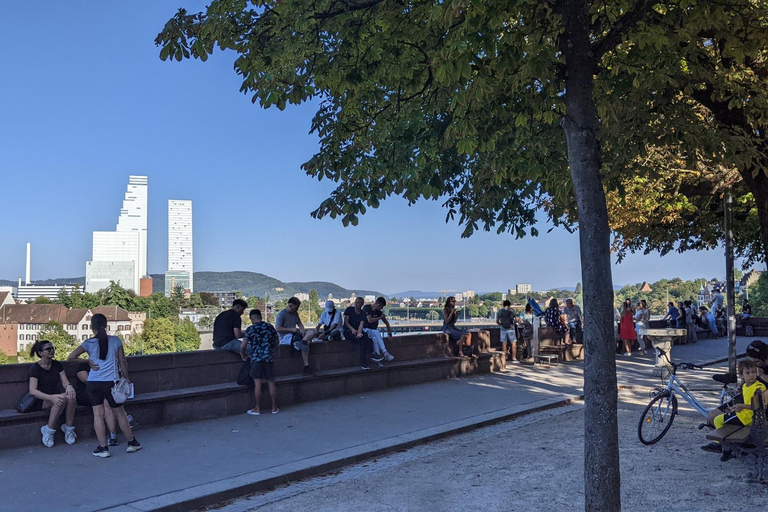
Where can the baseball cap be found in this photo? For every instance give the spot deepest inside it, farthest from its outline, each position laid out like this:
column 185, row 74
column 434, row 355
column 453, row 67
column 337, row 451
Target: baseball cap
column 758, row 350
column 329, row 306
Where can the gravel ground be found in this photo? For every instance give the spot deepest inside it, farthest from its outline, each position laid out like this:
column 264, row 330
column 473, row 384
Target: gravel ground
column 533, row 463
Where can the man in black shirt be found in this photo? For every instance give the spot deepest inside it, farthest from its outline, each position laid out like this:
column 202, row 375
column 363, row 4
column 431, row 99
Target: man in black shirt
column 226, row 328
column 354, row 330
column 373, row 313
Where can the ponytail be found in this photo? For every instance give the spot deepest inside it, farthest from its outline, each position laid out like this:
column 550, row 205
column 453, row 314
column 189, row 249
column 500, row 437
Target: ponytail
column 99, row 328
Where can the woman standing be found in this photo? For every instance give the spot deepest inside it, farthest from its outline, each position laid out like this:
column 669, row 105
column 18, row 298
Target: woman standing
column 642, row 317
column 106, row 354
column 627, row 327
column 555, row 319
column 450, row 315
column 49, row 384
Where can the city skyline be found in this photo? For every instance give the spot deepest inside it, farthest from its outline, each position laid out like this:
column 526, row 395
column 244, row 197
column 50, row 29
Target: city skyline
column 119, row 110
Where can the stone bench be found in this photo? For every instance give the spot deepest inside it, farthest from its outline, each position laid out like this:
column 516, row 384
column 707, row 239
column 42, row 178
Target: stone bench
column 759, row 326
column 174, row 388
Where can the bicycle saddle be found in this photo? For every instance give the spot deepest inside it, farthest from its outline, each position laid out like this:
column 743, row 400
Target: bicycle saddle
column 726, row 378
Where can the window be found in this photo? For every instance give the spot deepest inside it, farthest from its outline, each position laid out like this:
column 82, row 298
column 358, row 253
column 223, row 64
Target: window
column 29, row 337
column 85, row 337
column 87, row 318
column 21, row 337
column 127, row 337
column 84, row 326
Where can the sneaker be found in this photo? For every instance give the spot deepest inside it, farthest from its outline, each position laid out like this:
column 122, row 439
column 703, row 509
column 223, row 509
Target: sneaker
column 69, row 434
column 307, row 371
column 47, row 435
column 377, row 357
column 388, row 356
column 727, row 455
column 133, row 446
column 514, row 361
column 251, row 412
column 101, row 451
column 627, row 354
column 112, row 439
column 712, row 448
column 365, row 367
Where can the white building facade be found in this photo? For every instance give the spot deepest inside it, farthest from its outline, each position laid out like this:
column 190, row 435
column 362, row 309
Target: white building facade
column 121, row 255
column 180, row 246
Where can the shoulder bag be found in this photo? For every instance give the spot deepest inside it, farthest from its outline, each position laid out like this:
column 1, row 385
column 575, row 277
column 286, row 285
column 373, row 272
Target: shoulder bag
column 26, row 403
column 122, row 389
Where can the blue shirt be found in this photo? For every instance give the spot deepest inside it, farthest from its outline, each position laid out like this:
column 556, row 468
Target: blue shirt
column 262, row 338
column 673, row 313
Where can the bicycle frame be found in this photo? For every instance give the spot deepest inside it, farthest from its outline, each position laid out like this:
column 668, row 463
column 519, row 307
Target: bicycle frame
column 675, row 385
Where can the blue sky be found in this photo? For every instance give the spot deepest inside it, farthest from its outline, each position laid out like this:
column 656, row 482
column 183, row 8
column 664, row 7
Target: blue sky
column 85, row 101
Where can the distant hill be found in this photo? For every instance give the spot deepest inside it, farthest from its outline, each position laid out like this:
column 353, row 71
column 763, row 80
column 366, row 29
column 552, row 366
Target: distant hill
column 255, row 284
column 48, row 282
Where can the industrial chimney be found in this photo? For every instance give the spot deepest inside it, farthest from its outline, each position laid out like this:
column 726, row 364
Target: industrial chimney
column 29, row 249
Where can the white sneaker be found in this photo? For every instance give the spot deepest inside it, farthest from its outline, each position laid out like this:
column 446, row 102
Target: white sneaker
column 388, row 356
column 47, row 435
column 69, row 434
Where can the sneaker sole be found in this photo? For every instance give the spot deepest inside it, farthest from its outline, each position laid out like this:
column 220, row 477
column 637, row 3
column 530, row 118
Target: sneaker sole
column 132, row 449
column 102, row 455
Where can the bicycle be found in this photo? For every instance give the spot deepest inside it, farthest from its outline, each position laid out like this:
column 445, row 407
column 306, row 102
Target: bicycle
column 662, row 409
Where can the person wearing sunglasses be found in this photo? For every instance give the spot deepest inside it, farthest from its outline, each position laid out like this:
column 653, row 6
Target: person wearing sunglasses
column 49, row 384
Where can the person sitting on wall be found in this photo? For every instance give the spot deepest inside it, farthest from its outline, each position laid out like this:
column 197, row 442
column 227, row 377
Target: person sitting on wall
column 48, row 383
column 354, row 330
column 450, row 315
column 575, row 320
column 671, row 316
column 226, row 328
column 373, row 313
column 556, row 320
column 707, row 321
column 333, row 322
column 292, row 331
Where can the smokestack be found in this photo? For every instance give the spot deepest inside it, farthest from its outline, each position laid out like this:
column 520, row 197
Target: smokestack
column 29, row 250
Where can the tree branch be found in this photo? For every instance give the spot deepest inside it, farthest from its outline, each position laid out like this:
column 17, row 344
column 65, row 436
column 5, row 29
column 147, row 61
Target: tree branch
column 623, row 25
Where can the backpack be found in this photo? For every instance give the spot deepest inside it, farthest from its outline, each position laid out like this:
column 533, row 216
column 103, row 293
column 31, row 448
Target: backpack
column 527, row 330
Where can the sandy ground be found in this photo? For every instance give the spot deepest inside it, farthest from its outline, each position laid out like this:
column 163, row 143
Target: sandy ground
column 533, row 463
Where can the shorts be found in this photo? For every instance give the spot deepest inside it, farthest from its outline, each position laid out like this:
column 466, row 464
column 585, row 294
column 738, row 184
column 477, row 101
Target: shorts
column 82, row 398
column 98, row 391
column 296, row 341
column 262, row 370
column 508, row 335
column 454, row 333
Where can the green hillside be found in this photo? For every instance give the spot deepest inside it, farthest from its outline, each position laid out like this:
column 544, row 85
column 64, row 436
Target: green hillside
column 256, row 284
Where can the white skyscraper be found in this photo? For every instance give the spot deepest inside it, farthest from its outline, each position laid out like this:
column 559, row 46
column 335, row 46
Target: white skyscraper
column 121, row 255
column 180, row 247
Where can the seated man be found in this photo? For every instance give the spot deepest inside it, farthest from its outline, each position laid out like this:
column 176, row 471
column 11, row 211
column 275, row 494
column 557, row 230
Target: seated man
column 707, row 321
column 671, row 316
column 354, row 330
column 226, row 328
column 739, row 410
column 292, row 333
column 746, row 312
column 373, row 313
column 575, row 320
column 757, row 351
column 331, row 319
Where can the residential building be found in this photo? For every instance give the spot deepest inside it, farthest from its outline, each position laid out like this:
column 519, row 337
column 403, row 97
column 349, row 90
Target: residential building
column 523, row 288
column 180, row 246
column 121, row 255
column 469, row 294
column 21, row 323
column 225, row 298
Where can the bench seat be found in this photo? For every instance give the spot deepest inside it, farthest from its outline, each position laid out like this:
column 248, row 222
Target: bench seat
column 736, row 434
column 228, row 398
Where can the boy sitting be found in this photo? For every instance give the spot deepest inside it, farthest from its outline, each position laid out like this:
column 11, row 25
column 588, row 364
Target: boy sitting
column 739, row 410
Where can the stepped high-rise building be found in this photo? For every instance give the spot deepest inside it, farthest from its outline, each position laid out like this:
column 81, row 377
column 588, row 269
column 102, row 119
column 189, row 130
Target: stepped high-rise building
column 180, row 250
column 121, row 255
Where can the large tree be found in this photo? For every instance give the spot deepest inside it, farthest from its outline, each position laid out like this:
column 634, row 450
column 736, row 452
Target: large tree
column 464, row 101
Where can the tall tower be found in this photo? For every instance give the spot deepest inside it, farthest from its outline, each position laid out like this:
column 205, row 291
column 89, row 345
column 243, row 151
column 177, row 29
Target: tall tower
column 121, row 255
column 180, row 246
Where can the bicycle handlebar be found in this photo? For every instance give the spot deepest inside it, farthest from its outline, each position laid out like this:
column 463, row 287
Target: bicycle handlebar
column 676, row 366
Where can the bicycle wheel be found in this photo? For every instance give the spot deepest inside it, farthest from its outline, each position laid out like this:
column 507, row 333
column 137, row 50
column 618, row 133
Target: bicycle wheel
column 657, row 418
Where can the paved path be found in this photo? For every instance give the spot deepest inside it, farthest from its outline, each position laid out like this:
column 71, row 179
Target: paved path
column 181, row 463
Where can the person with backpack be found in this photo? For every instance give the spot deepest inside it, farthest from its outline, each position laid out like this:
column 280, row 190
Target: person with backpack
column 106, row 354
column 505, row 318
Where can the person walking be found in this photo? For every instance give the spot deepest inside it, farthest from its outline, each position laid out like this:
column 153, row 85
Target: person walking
column 108, row 361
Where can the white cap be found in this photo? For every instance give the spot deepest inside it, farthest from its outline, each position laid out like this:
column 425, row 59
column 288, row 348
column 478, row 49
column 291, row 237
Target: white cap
column 329, row 305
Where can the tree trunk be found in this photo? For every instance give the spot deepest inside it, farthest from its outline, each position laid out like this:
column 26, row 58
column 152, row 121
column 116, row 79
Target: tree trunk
column 758, row 185
column 601, row 436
